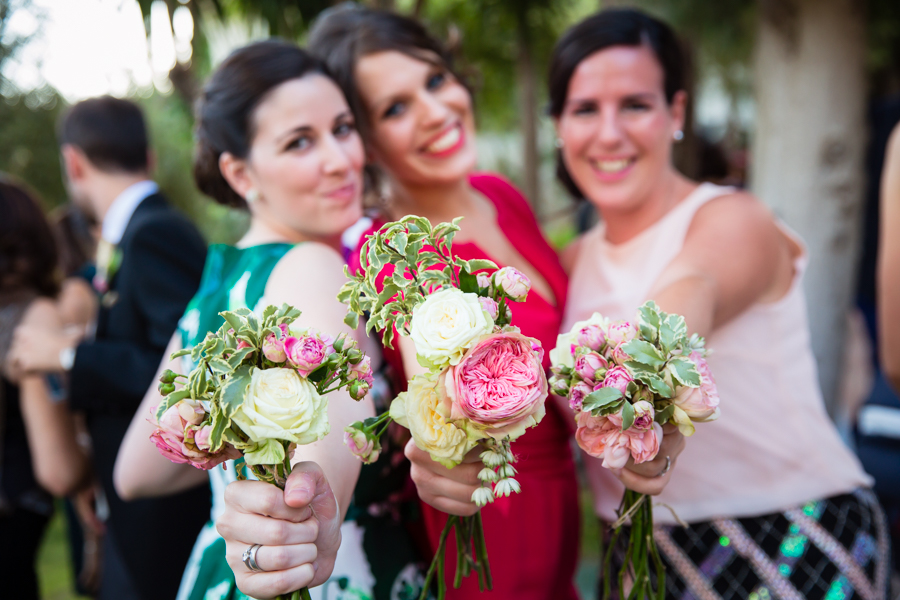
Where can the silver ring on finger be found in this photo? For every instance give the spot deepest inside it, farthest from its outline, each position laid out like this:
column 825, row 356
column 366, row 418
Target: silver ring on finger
column 667, row 467
column 249, row 558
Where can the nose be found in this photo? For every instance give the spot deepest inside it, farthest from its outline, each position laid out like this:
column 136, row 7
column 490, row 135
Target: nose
column 609, row 128
column 434, row 111
column 334, row 157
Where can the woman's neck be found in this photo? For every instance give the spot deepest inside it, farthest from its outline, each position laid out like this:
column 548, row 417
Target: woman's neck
column 437, row 203
column 262, row 231
column 626, row 224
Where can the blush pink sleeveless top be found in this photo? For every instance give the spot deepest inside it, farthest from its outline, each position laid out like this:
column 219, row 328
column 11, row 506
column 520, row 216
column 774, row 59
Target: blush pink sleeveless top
column 774, row 446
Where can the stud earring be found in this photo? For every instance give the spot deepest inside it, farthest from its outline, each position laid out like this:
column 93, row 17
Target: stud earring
column 252, row 196
column 558, row 143
column 678, row 135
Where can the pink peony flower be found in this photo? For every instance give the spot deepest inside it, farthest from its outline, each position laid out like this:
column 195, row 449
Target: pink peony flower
column 177, row 440
column 576, row 397
column 602, row 437
column 362, row 446
column 617, row 377
column 362, row 371
column 499, row 385
column 513, row 282
column 307, row 352
column 619, row 333
column 591, row 336
column 643, row 414
column 490, row 306
column 587, row 366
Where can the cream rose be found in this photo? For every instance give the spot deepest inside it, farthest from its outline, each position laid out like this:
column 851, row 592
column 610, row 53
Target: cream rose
column 419, row 410
column 446, row 324
column 564, row 353
column 281, row 405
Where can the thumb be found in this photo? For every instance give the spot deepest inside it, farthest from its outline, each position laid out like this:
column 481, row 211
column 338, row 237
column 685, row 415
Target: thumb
column 308, row 486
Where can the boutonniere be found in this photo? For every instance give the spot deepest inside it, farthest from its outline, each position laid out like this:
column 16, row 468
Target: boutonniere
column 109, row 258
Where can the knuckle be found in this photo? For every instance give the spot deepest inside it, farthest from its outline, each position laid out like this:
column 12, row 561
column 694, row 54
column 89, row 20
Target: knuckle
column 276, row 532
column 269, row 501
column 313, row 525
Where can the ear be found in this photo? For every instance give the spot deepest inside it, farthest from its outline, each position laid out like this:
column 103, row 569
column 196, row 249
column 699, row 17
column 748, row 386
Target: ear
column 237, row 173
column 74, row 162
column 678, row 110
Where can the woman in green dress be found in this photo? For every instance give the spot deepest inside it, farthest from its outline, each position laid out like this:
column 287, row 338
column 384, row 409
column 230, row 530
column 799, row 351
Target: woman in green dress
column 275, row 136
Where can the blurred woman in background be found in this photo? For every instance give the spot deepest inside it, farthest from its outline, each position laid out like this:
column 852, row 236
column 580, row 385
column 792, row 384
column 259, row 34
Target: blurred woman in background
column 39, row 455
column 776, row 503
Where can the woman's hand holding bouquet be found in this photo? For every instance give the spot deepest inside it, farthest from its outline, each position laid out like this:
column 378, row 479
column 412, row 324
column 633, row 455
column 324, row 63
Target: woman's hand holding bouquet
column 485, row 385
column 257, row 390
column 625, row 382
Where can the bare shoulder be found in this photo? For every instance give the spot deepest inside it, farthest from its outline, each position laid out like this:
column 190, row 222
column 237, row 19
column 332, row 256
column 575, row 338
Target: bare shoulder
column 42, row 311
column 735, row 219
column 310, row 261
column 310, row 277
column 894, row 144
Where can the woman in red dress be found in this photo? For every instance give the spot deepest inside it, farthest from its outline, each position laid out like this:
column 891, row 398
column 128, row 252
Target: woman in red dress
column 416, row 118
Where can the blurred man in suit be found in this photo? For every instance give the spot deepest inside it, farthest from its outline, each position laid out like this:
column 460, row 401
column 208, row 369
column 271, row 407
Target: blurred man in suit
column 149, row 264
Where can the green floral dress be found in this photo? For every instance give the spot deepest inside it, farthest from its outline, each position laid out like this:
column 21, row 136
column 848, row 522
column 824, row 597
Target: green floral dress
column 377, row 559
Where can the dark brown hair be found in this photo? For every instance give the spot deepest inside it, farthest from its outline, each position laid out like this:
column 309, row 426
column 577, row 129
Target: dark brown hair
column 225, row 110
column 344, row 34
column 28, row 260
column 607, row 28
column 110, row 131
column 72, row 230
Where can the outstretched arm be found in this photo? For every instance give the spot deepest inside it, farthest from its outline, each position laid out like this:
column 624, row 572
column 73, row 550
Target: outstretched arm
column 889, row 264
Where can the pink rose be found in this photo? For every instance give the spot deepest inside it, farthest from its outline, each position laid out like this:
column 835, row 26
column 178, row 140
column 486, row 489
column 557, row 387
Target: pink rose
column 576, row 397
column 591, row 336
column 191, row 411
column 698, row 406
column 490, row 306
column 483, row 280
column 643, row 414
column 273, row 347
column 602, row 437
column 499, row 385
column 361, row 445
column 307, row 352
column 618, row 355
column 513, row 282
column 617, row 377
column 619, row 333
column 177, row 440
column 587, row 365
column 707, row 383
column 362, row 371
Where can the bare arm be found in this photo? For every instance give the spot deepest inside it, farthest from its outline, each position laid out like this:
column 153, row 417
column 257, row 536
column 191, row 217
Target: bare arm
column 60, row 464
column 889, row 264
column 141, row 471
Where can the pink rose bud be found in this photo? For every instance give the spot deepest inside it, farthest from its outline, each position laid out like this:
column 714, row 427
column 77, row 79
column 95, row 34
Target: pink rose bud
column 618, row 355
column 643, row 415
column 489, row 306
column 591, row 336
column 362, row 371
column 306, row 353
column 273, row 347
column 362, row 446
column 483, row 280
column 513, row 282
column 617, row 377
column 576, row 397
column 619, row 333
column 587, row 366
column 191, row 411
column 559, row 385
column 242, row 344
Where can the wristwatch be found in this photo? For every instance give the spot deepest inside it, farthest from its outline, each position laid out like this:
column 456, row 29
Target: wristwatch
column 67, row 358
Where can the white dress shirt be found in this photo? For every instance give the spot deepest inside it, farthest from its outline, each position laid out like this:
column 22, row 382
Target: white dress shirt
column 120, row 211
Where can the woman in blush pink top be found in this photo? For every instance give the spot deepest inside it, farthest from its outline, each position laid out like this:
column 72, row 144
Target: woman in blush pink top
column 776, row 504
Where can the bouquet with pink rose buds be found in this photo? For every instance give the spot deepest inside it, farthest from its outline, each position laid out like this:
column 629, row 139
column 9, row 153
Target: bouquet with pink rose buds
column 257, row 391
column 624, row 381
column 485, row 383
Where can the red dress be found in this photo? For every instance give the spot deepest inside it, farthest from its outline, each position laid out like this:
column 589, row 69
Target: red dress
column 532, row 537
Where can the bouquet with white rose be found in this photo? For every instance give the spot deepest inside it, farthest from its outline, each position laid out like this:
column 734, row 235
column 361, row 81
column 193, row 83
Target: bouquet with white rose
column 485, row 384
column 624, row 381
column 257, row 390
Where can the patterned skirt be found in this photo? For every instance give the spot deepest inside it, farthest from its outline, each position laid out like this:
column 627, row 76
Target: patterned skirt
column 832, row 549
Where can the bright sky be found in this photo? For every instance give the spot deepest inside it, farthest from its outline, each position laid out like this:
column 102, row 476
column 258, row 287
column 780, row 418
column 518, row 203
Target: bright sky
column 87, row 48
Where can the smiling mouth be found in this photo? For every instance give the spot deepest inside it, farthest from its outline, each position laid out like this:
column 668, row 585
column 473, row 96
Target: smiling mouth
column 613, row 166
column 446, row 141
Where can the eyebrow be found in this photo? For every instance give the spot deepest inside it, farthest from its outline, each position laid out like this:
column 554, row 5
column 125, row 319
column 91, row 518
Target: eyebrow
column 639, row 96
column 294, row 131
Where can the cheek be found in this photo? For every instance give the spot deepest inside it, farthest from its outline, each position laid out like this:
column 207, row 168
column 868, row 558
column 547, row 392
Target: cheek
column 393, row 141
column 650, row 134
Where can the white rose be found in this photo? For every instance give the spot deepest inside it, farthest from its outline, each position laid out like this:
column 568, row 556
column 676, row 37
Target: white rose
column 446, row 324
column 282, row 405
column 562, row 355
column 418, row 409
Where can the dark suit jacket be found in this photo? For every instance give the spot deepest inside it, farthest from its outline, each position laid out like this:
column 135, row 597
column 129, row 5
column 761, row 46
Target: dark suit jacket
column 162, row 261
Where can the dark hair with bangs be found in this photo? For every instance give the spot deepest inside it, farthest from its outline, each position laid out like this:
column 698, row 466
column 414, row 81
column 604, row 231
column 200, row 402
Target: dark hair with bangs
column 28, row 259
column 605, row 29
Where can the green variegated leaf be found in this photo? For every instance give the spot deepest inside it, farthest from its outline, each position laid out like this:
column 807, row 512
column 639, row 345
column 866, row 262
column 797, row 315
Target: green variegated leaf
column 649, row 321
column 232, row 437
column 637, row 369
column 664, row 415
column 269, row 311
column 219, row 366
column 239, row 356
column 232, row 319
column 170, row 401
column 644, row 353
column 468, row 282
column 235, row 389
column 627, row 416
column 600, row 398
column 180, row 353
column 399, row 242
column 658, row 386
column 613, row 408
column 678, row 327
column 479, row 264
column 684, row 371
column 388, row 337
column 197, row 384
column 217, row 433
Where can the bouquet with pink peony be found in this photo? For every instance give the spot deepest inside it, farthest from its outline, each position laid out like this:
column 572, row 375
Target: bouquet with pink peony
column 624, row 381
column 257, row 390
column 484, row 385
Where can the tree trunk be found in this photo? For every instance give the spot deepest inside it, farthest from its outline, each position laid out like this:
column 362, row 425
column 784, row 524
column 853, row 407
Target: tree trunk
column 808, row 151
column 528, row 109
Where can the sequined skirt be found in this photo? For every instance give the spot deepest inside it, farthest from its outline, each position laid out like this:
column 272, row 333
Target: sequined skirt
column 831, row 549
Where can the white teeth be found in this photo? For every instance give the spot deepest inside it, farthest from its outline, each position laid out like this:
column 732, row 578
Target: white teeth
column 445, row 142
column 612, row 166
